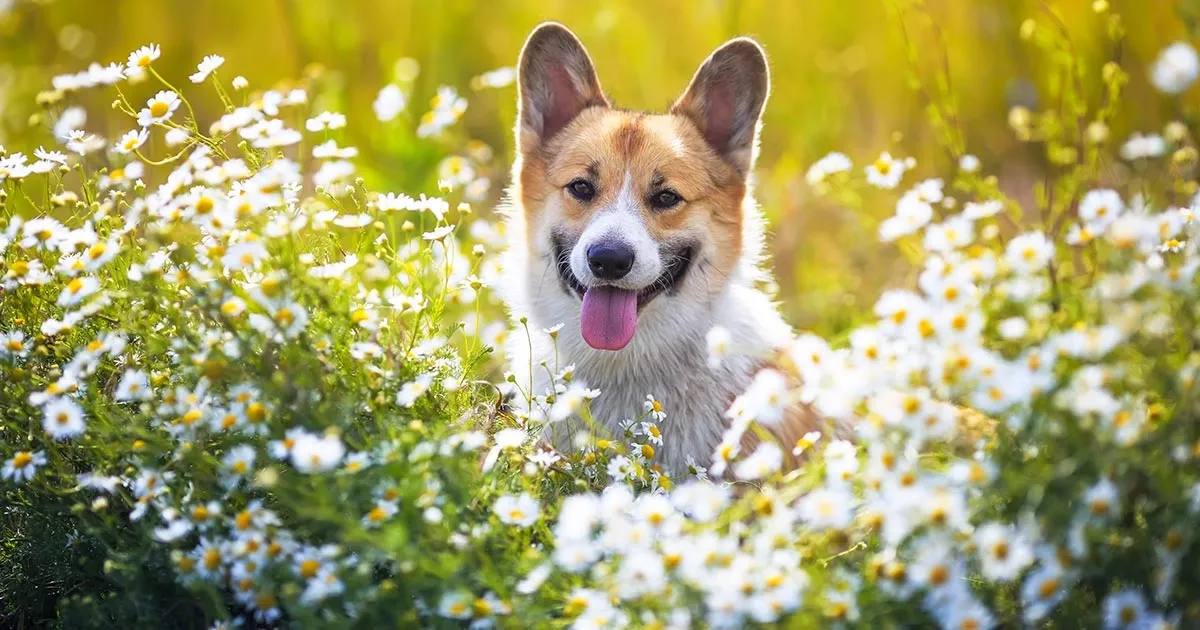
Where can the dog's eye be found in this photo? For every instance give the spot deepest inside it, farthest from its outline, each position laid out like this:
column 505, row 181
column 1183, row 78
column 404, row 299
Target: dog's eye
column 581, row 189
column 665, row 199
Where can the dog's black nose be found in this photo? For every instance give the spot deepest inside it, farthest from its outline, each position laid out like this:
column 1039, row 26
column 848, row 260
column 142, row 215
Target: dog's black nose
column 610, row 261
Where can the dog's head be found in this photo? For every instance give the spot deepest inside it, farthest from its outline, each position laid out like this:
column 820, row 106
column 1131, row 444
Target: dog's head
column 632, row 208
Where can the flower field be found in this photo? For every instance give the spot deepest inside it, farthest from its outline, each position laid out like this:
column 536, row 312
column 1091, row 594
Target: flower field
column 251, row 372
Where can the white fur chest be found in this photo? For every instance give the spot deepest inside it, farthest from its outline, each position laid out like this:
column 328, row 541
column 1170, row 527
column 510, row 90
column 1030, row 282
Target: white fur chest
column 667, row 359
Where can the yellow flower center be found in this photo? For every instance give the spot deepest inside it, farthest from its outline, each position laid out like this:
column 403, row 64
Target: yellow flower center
column 204, row 205
column 158, row 109
column 257, row 412
column 15, row 345
column 21, row 460
column 309, row 568
column 1048, row 588
column 212, row 559
column 75, row 286
column 939, row 574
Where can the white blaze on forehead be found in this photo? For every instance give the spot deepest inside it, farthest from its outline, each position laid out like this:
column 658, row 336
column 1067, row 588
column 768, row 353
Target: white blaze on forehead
column 620, row 222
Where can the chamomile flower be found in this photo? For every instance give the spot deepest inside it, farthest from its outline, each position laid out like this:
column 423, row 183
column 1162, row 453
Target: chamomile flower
column 159, row 108
column 1124, row 610
column 13, row 345
column 389, row 103
column 412, row 390
column 134, row 385
column 63, row 419
column 206, row 67
column 1029, row 253
column 886, row 171
column 77, row 290
column 381, row 512
column 131, row 141
column 654, row 408
column 827, row 166
column 239, row 461
column 1004, row 552
column 141, row 59
column 315, row 454
column 718, row 340
column 1176, row 68
column 23, row 466
column 519, row 511
column 827, row 508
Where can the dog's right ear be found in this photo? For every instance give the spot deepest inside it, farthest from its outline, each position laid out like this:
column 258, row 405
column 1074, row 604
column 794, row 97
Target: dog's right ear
column 557, row 81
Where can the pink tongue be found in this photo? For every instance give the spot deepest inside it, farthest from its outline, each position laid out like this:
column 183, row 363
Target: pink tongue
column 609, row 317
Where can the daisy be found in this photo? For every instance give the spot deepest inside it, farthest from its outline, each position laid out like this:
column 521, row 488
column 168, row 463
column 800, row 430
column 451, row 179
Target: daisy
column 382, row 511
column 131, row 141
column 654, row 408
column 521, row 511
column 981, row 210
column 23, row 466
column 831, row 164
column 239, row 460
column 159, row 108
column 412, row 390
column 827, row 508
column 312, row 454
column 134, row 385
column 12, row 344
column 1124, row 609
column 389, row 103
column 1003, row 552
column 62, row 419
column 1029, row 253
column 886, row 171
column 206, row 67
column 1099, row 208
column 141, row 59
column 1176, row 68
column 77, row 290
column 44, row 233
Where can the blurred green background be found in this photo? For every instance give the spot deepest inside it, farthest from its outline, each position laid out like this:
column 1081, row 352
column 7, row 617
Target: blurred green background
column 839, row 70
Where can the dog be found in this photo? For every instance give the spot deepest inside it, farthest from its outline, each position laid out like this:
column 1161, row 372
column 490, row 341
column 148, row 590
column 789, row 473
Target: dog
column 639, row 233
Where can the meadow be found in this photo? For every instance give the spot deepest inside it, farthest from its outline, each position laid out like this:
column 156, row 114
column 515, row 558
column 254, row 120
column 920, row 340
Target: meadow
column 249, row 331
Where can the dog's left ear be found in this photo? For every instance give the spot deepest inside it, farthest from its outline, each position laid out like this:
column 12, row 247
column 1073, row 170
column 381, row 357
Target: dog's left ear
column 725, row 100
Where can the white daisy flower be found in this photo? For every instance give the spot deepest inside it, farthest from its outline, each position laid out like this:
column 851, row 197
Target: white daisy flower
column 63, row 419
column 23, row 466
column 141, row 59
column 206, row 67
column 159, row 108
column 131, row 141
column 521, row 511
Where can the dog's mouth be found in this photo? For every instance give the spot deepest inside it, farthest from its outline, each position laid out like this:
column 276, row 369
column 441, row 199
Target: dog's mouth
column 609, row 314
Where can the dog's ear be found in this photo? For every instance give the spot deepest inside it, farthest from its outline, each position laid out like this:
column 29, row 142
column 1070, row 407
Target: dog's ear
column 725, row 100
column 557, row 81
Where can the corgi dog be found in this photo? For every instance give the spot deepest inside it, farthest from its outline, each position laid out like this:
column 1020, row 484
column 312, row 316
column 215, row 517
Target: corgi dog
column 639, row 234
